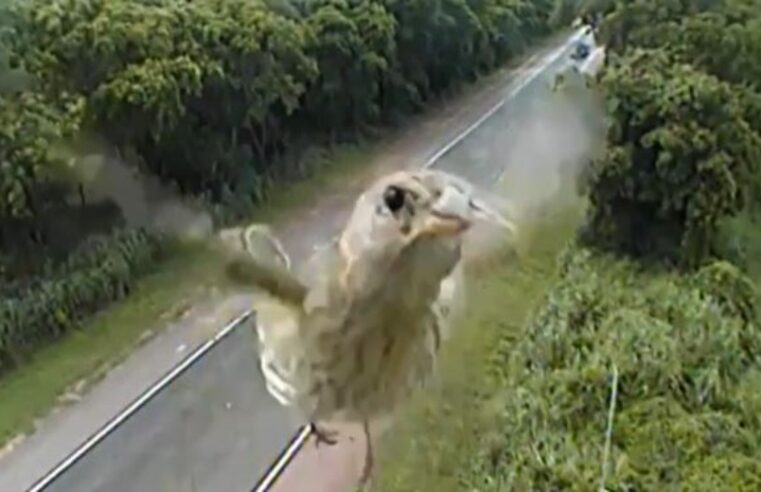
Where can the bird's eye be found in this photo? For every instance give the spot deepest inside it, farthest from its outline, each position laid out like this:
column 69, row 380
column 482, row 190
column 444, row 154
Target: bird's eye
column 393, row 197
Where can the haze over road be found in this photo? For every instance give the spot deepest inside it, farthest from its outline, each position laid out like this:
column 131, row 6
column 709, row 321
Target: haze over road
column 216, row 428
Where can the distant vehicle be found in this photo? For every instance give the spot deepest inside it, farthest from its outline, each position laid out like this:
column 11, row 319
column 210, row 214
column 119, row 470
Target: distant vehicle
column 580, row 51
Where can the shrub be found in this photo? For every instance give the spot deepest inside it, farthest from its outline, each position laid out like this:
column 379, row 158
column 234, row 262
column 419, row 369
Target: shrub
column 679, row 159
column 686, row 363
column 102, row 270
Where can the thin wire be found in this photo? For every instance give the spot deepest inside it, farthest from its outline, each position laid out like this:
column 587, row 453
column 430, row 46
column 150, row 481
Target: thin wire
column 609, row 430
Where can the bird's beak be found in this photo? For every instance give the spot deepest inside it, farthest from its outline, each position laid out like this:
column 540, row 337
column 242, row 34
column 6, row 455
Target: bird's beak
column 455, row 211
column 487, row 214
column 439, row 224
column 450, row 214
column 458, row 208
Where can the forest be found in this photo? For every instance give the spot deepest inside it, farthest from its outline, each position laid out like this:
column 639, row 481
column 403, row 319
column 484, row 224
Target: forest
column 638, row 368
column 217, row 100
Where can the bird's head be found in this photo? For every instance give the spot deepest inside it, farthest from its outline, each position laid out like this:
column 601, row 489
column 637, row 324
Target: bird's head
column 411, row 225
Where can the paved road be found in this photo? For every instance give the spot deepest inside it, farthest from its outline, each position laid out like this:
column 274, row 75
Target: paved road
column 216, row 428
column 210, row 430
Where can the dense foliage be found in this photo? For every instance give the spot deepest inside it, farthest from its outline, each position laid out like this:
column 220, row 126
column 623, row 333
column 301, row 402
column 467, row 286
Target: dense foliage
column 679, row 158
column 685, row 350
column 211, row 95
column 101, row 270
column 684, row 143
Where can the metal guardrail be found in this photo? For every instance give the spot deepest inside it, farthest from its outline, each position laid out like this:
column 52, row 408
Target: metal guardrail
column 150, row 394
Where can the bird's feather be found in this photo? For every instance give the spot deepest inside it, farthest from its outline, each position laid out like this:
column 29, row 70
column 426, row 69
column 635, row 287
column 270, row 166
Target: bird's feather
column 255, row 258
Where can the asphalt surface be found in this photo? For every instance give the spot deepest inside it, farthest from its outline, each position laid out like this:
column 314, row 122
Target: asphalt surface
column 498, row 146
column 216, row 428
column 210, row 430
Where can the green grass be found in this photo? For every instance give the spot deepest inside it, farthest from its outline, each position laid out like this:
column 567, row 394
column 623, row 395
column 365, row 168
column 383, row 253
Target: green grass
column 30, row 391
column 741, row 242
column 685, row 347
column 446, row 425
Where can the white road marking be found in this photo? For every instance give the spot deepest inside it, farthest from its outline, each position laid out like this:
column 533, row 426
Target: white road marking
column 533, row 74
column 284, row 460
column 136, row 405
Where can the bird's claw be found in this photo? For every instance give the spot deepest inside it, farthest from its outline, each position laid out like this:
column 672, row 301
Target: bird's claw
column 367, row 473
column 367, row 469
column 324, row 436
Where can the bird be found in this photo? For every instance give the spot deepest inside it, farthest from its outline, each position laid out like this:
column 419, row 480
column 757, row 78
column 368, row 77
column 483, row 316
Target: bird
column 357, row 330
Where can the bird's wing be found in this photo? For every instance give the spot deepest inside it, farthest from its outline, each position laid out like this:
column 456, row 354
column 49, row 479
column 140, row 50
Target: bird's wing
column 322, row 273
column 255, row 258
column 450, row 304
column 260, row 242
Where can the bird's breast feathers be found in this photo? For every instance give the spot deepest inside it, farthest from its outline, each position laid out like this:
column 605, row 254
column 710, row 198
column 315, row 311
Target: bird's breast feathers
column 356, row 365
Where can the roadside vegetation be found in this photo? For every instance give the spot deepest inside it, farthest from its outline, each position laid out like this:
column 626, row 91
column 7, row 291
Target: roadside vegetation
column 637, row 365
column 108, row 107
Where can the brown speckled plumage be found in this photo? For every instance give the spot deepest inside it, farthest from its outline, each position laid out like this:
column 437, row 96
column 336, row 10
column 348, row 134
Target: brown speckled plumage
column 364, row 330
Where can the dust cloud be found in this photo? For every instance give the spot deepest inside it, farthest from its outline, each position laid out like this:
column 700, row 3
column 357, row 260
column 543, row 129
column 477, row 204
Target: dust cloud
column 143, row 200
column 545, row 150
column 551, row 148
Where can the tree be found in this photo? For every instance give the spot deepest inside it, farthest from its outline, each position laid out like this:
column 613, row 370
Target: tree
column 436, row 42
column 209, row 96
column 30, row 129
column 354, row 47
column 564, row 12
column 678, row 160
column 504, row 33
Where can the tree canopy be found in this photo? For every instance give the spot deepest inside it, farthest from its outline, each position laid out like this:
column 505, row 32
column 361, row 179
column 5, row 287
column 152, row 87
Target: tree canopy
column 211, row 95
column 683, row 145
